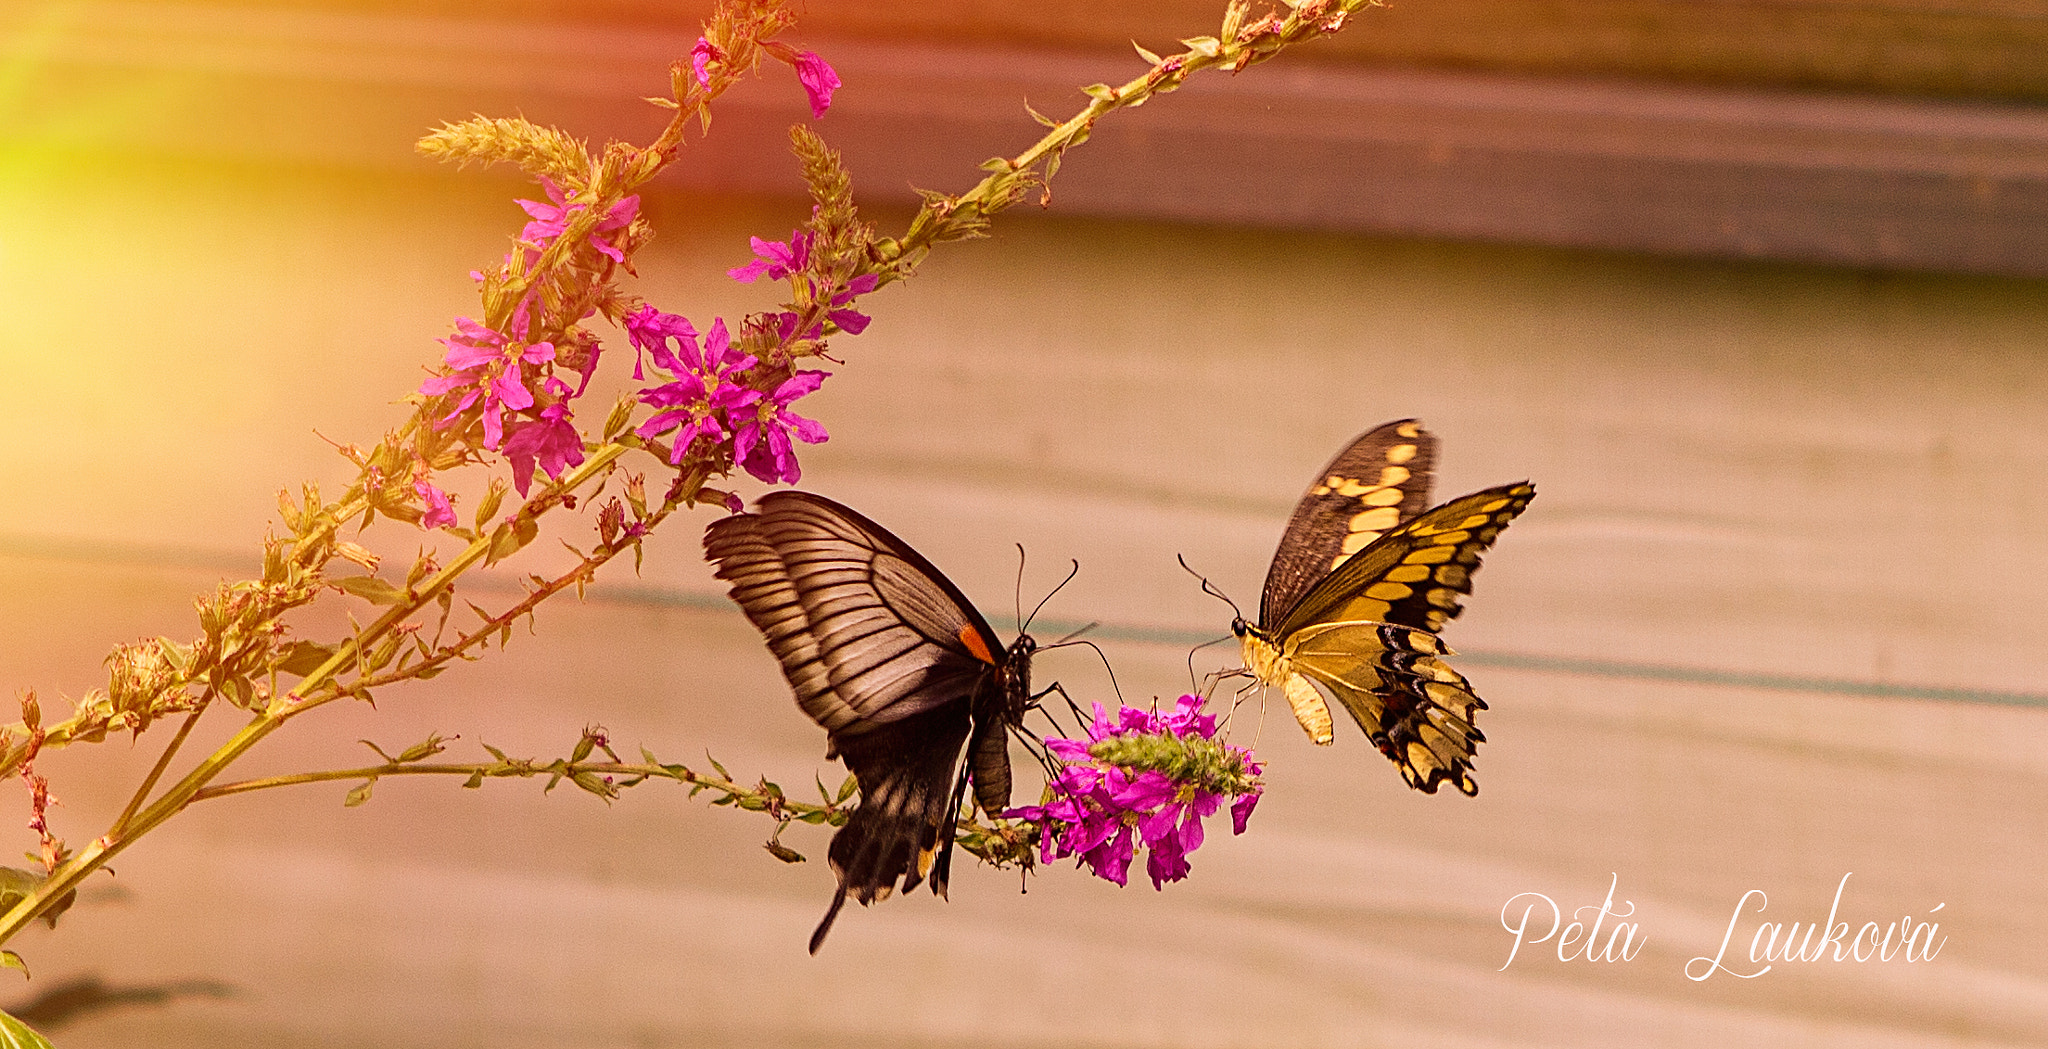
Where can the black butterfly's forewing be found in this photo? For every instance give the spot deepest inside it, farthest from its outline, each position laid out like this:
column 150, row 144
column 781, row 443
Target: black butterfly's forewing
column 1379, row 481
column 1413, row 575
column 888, row 656
column 866, row 629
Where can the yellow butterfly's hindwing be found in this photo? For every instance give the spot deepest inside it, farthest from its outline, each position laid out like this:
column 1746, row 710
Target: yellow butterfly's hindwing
column 1415, row 708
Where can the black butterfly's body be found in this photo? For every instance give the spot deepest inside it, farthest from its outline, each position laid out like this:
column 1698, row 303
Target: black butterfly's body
column 1363, row 579
column 889, row 657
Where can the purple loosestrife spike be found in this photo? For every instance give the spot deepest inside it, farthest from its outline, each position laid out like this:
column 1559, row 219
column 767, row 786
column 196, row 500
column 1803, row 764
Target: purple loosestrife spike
column 762, row 443
column 1146, row 779
column 701, row 403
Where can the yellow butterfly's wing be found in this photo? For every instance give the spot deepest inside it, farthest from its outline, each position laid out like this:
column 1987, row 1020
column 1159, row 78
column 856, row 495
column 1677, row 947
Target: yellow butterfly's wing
column 1378, row 481
column 1414, row 575
column 1415, row 708
column 1366, row 634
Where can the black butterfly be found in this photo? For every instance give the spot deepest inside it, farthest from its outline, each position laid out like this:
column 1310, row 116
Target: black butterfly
column 887, row 655
column 1363, row 579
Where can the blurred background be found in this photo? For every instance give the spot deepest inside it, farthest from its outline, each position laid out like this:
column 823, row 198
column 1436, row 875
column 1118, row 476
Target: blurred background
column 1750, row 288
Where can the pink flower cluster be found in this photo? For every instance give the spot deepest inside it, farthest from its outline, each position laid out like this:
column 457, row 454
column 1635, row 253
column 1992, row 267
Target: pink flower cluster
column 1145, row 779
column 709, row 398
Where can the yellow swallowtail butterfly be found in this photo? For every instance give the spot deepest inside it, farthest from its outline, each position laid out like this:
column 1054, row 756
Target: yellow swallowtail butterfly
column 1364, row 578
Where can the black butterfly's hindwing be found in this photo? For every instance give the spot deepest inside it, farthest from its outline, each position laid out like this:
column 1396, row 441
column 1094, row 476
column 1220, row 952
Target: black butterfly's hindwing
column 1378, row 481
column 1363, row 580
column 888, row 656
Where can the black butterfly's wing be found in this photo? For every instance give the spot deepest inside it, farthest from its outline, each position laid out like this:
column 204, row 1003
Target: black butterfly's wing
column 867, row 630
column 1413, row 575
column 1379, row 481
column 888, row 656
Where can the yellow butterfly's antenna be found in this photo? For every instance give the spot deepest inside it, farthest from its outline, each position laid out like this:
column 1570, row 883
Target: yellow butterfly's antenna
column 1194, row 683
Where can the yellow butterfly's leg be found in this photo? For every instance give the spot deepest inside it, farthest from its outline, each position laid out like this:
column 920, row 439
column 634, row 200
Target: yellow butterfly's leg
column 1309, row 709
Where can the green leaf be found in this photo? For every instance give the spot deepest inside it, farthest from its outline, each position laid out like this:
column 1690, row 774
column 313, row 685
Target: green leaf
column 17, row 1035
column 727, row 776
column 1100, row 92
column 359, row 795
column 1149, row 57
column 1206, row 46
column 847, row 788
column 11, row 960
column 475, row 780
column 372, row 589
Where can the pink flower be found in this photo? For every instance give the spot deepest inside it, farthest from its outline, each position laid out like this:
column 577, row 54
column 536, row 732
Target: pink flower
column 551, row 441
column 707, row 392
column 649, row 330
column 776, row 258
column 1146, row 775
column 762, row 443
column 849, row 320
column 491, row 366
column 551, row 220
column 818, row 79
column 440, row 512
column 702, row 54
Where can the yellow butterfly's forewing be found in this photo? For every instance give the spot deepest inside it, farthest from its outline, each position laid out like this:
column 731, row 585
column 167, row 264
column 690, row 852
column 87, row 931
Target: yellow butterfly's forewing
column 1415, row 574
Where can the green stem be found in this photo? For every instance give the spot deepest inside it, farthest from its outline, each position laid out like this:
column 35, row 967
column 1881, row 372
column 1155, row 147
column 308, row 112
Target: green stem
column 68, row 875
column 163, row 762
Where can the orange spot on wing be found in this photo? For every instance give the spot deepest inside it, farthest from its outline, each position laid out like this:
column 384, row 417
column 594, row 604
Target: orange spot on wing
column 972, row 639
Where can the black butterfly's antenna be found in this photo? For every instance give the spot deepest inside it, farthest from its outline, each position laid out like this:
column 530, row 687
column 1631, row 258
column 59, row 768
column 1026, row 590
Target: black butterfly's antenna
column 1210, row 588
column 1099, row 654
column 1071, row 573
column 1017, row 593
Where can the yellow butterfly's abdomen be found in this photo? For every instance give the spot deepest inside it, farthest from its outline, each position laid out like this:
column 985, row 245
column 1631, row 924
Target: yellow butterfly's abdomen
column 1266, row 663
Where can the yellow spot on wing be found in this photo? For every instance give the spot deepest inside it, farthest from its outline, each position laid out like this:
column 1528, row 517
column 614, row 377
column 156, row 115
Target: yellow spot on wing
column 1377, row 519
column 1401, row 453
column 1408, row 574
column 1388, row 591
column 1355, row 542
column 1384, row 497
column 1393, row 475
